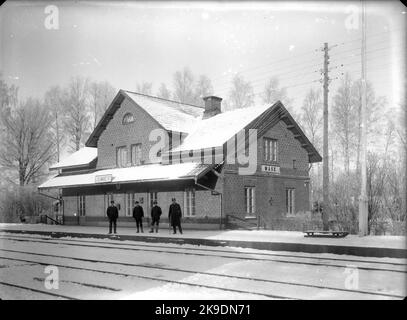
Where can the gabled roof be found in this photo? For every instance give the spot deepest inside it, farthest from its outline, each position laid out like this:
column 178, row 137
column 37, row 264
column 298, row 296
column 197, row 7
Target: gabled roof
column 217, row 130
column 80, row 158
column 170, row 115
column 214, row 132
column 205, row 133
column 138, row 174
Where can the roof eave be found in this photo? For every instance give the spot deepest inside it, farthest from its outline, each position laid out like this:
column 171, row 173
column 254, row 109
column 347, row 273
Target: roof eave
column 114, row 183
column 108, row 115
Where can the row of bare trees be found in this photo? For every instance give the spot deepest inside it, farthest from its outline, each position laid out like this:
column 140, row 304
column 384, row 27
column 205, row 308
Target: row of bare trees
column 386, row 158
column 33, row 131
column 77, row 108
column 188, row 88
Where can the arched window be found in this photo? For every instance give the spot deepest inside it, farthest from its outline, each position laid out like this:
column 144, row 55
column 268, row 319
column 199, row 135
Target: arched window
column 128, row 118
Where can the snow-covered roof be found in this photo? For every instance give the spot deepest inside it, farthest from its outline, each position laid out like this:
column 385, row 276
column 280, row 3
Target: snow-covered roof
column 171, row 115
column 152, row 172
column 217, row 130
column 212, row 132
column 79, row 158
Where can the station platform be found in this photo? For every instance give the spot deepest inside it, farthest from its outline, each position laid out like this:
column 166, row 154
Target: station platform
column 369, row 246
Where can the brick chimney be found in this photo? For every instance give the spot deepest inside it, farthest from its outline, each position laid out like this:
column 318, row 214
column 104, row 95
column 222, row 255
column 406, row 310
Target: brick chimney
column 212, row 106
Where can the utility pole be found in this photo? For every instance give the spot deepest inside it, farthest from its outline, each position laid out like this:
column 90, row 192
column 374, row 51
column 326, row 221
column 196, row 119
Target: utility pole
column 325, row 160
column 363, row 209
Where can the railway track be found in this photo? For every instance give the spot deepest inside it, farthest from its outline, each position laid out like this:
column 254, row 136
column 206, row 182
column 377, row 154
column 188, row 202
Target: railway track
column 138, row 276
column 213, row 253
column 48, row 293
column 179, row 271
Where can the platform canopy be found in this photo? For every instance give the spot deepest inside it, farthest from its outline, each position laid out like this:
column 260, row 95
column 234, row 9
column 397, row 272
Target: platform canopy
column 146, row 173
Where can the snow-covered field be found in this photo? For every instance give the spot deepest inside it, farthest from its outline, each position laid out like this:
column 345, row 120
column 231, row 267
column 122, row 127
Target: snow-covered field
column 110, row 269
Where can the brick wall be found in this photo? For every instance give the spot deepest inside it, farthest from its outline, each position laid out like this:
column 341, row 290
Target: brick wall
column 289, row 149
column 269, row 186
column 117, row 135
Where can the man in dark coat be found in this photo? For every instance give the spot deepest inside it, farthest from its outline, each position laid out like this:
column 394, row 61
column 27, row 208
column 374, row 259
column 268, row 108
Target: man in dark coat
column 112, row 214
column 138, row 214
column 155, row 217
column 174, row 216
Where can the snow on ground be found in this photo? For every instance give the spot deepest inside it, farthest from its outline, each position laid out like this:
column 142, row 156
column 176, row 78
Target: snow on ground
column 149, row 264
column 238, row 235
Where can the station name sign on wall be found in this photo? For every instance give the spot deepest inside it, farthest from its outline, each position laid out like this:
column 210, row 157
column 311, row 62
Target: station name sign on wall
column 270, row 169
column 103, row 178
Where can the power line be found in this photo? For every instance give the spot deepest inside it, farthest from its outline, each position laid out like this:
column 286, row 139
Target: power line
column 287, row 87
column 263, row 80
column 278, row 75
column 371, row 36
column 359, row 48
column 256, row 83
column 305, row 53
column 290, row 68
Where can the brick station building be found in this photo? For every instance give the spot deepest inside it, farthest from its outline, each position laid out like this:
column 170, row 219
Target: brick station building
column 117, row 163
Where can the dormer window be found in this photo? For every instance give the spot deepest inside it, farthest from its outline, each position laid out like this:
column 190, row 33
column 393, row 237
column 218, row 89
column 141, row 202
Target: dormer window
column 128, row 118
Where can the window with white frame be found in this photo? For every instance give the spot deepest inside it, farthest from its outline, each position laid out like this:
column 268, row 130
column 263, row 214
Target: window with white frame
column 270, row 149
column 129, row 201
column 136, row 154
column 250, row 200
column 81, row 204
column 153, row 197
column 189, row 201
column 121, row 156
column 290, row 200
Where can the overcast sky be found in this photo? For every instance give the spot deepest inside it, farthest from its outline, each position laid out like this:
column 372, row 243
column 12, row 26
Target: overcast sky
column 129, row 42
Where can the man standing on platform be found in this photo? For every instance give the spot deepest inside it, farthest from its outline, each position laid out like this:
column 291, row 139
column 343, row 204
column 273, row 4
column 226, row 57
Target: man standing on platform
column 174, row 216
column 155, row 217
column 112, row 214
column 138, row 214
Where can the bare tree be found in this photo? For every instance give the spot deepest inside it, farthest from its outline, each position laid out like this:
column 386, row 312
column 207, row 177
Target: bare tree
column 203, row 89
column 101, row 95
column 76, row 106
column 8, row 95
column 184, row 86
column 28, row 145
column 311, row 117
column 241, row 94
column 145, row 88
column 373, row 106
column 311, row 120
column 272, row 92
column 344, row 120
column 164, row 92
column 53, row 102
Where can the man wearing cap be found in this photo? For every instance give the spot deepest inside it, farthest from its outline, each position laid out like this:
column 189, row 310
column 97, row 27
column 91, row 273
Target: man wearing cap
column 138, row 214
column 155, row 217
column 174, row 216
column 112, row 214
